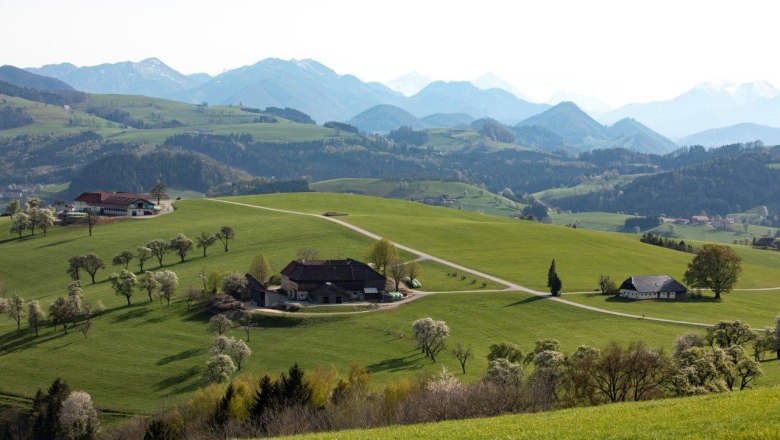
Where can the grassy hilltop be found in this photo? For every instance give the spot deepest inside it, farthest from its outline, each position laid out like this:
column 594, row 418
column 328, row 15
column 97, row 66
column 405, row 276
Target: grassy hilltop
column 136, row 358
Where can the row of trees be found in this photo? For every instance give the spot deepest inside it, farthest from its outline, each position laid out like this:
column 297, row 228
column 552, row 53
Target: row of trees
column 160, row 285
column 66, row 310
column 383, row 256
column 545, row 378
column 668, row 243
column 30, row 217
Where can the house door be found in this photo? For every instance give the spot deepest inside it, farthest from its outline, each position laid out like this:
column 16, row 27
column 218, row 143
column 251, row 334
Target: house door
column 326, row 300
column 338, row 300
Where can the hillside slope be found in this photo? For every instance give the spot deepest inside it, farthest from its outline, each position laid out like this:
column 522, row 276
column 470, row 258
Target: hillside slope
column 384, row 118
column 725, row 416
column 22, row 78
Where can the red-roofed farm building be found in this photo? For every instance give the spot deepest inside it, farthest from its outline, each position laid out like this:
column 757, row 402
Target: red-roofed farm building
column 116, row 203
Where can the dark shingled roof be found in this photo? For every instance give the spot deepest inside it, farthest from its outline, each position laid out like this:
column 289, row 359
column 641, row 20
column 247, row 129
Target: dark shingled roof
column 653, row 283
column 330, row 270
column 105, row 198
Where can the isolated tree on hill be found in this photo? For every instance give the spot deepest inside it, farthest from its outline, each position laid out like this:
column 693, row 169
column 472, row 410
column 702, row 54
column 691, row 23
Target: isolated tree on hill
column 123, row 258
column 158, row 191
column 430, row 336
column 219, row 368
column 607, row 286
column 506, row 351
column 147, row 281
column 168, row 282
column 35, row 315
column 397, row 271
column 220, row 323
column 724, row 334
column 45, row 219
column 142, row 254
column 159, row 248
column 233, row 284
column 225, row 234
column 15, row 308
column 34, row 215
column 553, row 280
column 260, row 268
column 75, row 264
column 92, row 219
column 20, row 223
column 715, row 267
column 13, row 208
column 124, row 284
column 381, row 253
column 192, row 295
column 78, row 418
column 238, row 351
column 91, row 264
column 181, row 245
column 413, row 270
column 462, row 354
column 307, row 253
column 205, row 240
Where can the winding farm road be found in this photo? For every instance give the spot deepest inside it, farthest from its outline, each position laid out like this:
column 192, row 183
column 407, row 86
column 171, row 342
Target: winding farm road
column 422, row 255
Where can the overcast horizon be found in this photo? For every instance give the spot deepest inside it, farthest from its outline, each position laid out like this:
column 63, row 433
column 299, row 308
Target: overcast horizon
column 616, row 52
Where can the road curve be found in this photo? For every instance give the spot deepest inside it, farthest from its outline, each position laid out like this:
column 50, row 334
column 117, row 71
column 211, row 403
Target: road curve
column 510, row 285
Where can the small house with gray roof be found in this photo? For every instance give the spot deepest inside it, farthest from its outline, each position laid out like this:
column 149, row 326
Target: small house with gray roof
column 652, row 287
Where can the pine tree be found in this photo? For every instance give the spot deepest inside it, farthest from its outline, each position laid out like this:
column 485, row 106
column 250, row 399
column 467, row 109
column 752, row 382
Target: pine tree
column 553, row 280
column 223, row 410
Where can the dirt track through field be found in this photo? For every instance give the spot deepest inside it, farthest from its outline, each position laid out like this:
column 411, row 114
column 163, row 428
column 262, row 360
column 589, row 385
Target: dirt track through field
column 423, row 255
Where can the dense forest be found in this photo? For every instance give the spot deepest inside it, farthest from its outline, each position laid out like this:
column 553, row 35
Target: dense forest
column 716, row 187
column 58, row 97
column 139, row 172
column 11, row 117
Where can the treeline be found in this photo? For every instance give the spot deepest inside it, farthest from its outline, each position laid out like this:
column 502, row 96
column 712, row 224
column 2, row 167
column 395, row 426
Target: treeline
column 122, row 117
column 657, row 240
column 11, row 117
column 342, row 126
column 290, row 114
column 720, row 186
column 407, row 136
column 259, row 185
column 51, row 159
column 58, row 97
column 139, row 172
column 632, row 223
column 546, row 378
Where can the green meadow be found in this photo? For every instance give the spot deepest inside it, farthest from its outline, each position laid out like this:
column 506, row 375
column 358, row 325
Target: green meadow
column 751, row 415
column 137, row 358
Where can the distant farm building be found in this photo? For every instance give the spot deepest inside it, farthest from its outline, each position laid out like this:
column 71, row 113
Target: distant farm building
column 116, row 203
column 652, row 287
column 332, row 281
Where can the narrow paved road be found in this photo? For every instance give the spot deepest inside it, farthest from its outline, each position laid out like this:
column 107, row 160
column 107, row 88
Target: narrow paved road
column 510, row 285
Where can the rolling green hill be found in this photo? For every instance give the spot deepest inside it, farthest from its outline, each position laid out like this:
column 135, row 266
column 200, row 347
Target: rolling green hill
column 731, row 416
column 464, row 196
column 137, row 357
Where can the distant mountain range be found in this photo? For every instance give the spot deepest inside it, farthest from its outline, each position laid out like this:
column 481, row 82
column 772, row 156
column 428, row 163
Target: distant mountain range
column 713, row 104
column 326, row 95
column 22, row 78
column 150, row 77
column 580, row 132
column 384, row 118
column 746, row 132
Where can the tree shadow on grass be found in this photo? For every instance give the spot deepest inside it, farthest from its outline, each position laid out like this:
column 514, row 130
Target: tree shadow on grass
column 14, row 341
column 176, row 379
column 57, row 243
column 393, row 365
column 528, row 300
column 133, row 313
column 185, row 354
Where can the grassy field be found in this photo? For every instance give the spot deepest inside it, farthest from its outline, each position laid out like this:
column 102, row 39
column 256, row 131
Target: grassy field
column 213, row 119
column 516, row 250
column 594, row 184
column 468, row 197
column 140, row 357
column 744, row 415
column 597, row 221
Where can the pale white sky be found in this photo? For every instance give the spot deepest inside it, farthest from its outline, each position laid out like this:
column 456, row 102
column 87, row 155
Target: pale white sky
column 618, row 51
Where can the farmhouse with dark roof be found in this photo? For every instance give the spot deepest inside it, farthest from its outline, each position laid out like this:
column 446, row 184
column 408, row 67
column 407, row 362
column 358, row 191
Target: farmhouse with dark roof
column 652, row 287
column 116, row 203
column 331, row 281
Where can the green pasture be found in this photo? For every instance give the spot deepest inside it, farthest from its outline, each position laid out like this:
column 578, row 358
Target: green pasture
column 744, row 415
